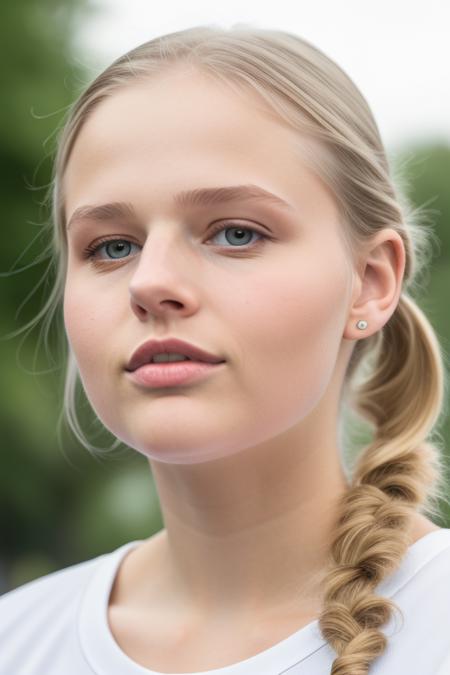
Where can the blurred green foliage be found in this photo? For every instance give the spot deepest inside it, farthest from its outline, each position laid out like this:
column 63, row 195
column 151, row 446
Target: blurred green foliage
column 59, row 505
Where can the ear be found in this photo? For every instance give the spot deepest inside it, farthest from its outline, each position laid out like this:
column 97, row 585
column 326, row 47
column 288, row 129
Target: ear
column 377, row 284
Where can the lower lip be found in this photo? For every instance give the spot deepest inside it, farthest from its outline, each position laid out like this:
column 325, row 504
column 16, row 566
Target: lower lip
column 172, row 373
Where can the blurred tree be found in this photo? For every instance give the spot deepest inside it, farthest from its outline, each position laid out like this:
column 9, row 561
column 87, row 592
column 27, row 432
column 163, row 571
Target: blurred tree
column 39, row 74
column 427, row 182
column 45, row 518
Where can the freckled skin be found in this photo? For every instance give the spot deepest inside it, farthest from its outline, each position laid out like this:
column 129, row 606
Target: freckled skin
column 246, row 463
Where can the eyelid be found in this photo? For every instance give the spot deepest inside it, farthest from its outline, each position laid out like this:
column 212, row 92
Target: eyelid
column 91, row 251
column 230, row 225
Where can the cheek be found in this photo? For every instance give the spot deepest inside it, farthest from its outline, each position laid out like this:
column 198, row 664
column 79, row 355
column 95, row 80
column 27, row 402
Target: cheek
column 88, row 321
column 289, row 327
column 90, row 324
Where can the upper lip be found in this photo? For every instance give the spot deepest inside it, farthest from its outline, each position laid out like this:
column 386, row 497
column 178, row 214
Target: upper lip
column 145, row 352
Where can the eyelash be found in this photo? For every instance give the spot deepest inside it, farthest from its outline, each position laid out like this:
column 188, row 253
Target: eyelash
column 91, row 250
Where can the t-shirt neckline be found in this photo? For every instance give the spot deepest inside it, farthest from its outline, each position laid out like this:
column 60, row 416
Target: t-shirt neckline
column 105, row 656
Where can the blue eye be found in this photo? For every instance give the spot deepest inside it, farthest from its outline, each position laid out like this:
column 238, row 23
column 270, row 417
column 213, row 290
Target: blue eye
column 119, row 249
column 239, row 234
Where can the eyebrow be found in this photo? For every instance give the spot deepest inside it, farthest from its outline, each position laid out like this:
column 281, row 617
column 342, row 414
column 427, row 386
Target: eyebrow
column 197, row 197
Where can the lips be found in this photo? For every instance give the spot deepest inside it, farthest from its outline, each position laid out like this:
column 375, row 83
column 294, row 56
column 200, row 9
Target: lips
column 147, row 350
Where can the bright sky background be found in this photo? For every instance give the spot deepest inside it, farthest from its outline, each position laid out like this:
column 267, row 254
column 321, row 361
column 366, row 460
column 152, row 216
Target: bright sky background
column 396, row 51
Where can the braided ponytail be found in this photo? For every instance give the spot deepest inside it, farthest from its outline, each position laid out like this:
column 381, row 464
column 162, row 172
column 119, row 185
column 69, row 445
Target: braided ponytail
column 397, row 474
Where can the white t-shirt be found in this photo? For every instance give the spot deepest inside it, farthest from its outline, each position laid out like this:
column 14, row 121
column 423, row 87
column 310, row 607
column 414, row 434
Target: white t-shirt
column 57, row 624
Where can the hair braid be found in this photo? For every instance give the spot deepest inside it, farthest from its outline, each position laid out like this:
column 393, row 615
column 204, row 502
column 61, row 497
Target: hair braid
column 395, row 475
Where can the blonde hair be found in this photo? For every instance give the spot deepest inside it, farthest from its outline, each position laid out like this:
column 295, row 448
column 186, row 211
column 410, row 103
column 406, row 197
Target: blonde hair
column 395, row 379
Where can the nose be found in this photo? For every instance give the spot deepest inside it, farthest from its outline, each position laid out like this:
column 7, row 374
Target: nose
column 162, row 281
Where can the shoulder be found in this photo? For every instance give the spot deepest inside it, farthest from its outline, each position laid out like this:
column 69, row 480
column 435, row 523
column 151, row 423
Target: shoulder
column 64, row 582
column 425, row 571
column 432, row 579
column 418, row 636
column 421, row 587
column 38, row 619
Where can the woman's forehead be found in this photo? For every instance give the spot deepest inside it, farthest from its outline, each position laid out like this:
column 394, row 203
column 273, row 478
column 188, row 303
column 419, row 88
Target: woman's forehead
column 138, row 135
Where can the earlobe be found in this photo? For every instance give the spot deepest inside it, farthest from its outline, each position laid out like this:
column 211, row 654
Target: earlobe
column 361, row 325
column 380, row 283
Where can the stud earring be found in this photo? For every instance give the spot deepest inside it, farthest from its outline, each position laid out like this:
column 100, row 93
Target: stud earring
column 361, row 324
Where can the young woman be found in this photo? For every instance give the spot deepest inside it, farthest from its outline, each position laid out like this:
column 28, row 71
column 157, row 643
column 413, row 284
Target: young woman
column 223, row 197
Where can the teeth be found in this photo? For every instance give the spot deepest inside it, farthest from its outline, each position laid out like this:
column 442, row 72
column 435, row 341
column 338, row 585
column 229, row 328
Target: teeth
column 162, row 358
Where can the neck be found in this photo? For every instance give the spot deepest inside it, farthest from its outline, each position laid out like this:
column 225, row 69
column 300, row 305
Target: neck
column 250, row 531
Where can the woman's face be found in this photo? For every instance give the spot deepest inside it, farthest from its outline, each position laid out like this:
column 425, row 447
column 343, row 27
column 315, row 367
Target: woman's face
column 272, row 302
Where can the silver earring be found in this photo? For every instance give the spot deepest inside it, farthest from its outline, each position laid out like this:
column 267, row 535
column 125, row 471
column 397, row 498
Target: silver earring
column 361, row 324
